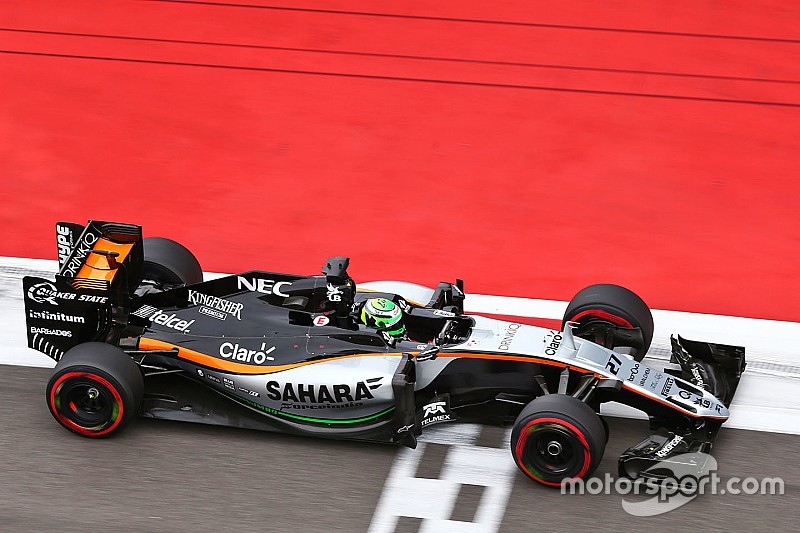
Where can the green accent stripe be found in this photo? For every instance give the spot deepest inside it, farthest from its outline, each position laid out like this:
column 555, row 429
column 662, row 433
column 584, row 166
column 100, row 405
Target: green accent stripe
column 271, row 411
column 333, row 421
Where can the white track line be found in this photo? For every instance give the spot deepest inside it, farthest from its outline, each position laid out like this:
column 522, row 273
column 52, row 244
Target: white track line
column 493, row 469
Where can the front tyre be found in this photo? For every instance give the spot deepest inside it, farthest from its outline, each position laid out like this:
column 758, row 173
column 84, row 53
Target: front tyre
column 557, row 438
column 95, row 389
column 612, row 316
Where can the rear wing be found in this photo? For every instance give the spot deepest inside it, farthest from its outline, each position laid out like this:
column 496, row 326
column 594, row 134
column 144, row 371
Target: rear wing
column 100, row 254
column 100, row 265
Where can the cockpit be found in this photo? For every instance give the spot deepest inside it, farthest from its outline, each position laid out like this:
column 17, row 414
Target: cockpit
column 431, row 316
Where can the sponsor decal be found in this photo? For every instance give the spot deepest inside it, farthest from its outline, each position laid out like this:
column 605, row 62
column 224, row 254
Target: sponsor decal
column 214, row 306
column 234, row 352
column 264, row 286
column 634, row 371
column 668, row 386
column 47, row 292
column 698, row 377
column 668, row 447
column 213, row 313
column 43, row 292
column 250, row 392
column 434, row 408
column 213, row 378
column 54, row 332
column 508, row 336
column 321, row 321
column 229, row 383
column 64, row 241
column 644, row 377
column 613, row 364
column 334, row 293
column 161, row 318
column 550, row 348
column 322, row 394
column 318, row 406
column 79, row 253
column 92, row 299
column 446, row 314
column 57, row 317
column 200, row 372
column 281, row 413
column 708, row 404
column 700, row 400
column 435, row 412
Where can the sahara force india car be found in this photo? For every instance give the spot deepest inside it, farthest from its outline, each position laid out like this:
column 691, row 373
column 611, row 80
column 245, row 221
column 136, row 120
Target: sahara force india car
column 136, row 331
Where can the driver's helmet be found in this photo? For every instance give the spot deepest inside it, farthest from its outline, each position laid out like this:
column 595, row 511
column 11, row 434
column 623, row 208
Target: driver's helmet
column 385, row 315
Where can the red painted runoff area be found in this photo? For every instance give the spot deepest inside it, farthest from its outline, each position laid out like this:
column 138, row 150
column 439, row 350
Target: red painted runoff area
column 530, row 148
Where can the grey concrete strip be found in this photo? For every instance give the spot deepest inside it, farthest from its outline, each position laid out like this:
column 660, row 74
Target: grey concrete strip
column 491, row 437
column 408, row 524
column 433, row 457
column 467, row 503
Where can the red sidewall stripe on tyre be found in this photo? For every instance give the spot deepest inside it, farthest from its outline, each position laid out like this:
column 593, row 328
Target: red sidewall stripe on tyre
column 604, row 315
column 67, row 422
column 524, row 433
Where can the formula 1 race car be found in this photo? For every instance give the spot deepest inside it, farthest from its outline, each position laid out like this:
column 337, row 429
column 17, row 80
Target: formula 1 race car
column 136, row 331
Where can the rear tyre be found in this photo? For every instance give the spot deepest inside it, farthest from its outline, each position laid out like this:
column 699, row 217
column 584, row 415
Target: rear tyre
column 556, row 438
column 598, row 309
column 170, row 263
column 95, row 389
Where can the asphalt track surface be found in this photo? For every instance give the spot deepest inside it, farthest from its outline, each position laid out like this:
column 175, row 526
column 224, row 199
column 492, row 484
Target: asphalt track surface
column 169, row 476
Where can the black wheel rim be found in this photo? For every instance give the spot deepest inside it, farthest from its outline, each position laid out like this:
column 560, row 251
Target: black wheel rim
column 553, row 451
column 86, row 403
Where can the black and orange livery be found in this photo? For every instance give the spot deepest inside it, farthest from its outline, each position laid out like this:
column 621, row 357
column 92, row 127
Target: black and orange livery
column 136, row 331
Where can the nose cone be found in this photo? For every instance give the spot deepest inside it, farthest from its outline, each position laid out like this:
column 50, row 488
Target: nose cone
column 698, row 401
